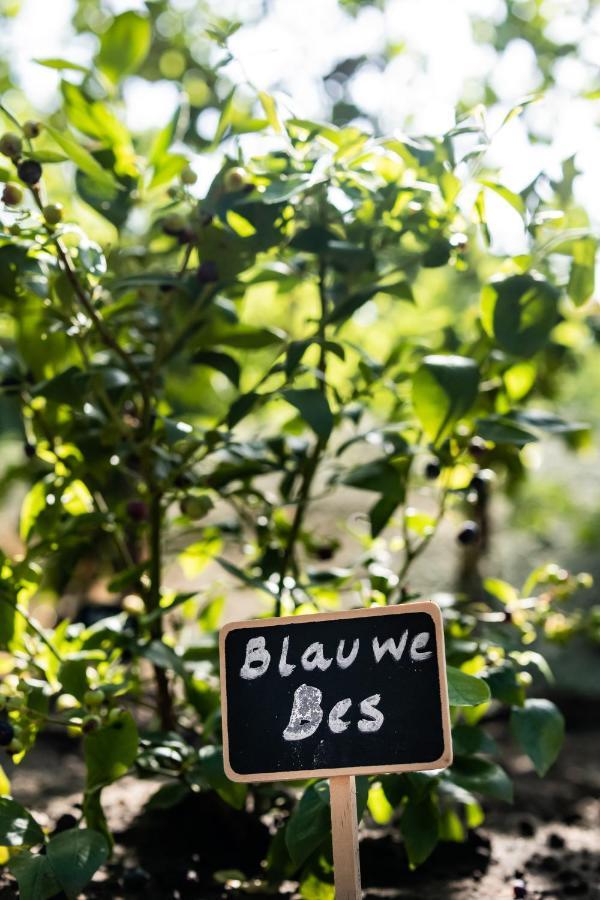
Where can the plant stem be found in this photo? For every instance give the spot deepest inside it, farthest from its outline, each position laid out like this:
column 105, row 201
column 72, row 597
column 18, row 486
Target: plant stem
column 312, row 462
column 164, row 699
column 33, row 625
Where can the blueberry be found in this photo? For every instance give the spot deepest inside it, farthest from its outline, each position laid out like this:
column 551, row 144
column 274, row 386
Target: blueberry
column 477, row 447
column 29, row 171
column 137, row 510
column 468, row 534
column 432, row 470
column 7, row 733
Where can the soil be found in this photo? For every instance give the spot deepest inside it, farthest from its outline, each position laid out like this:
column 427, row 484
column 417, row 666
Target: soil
column 545, row 845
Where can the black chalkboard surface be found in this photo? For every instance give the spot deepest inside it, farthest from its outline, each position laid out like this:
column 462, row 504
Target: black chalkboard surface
column 350, row 693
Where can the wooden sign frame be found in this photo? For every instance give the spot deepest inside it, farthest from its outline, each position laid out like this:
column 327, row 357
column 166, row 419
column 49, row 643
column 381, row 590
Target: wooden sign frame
column 424, row 606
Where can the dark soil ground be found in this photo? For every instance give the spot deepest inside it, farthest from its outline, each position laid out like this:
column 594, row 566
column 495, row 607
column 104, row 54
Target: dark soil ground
column 547, row 843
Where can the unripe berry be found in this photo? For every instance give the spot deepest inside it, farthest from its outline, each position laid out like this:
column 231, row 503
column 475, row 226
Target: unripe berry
column 32, row 130
column 90, row 723
column 468, row 534
column 93, row 699
column 236, row 179
column 196, row 507
column 29, row 171
column 11, row 145
column 65, row 702
column 53, row 213
column 207, row 272
column 115, row 715
column 174, row 225
column 188, row 176
column 133, row 605
column 15, row 747
column 12, row 195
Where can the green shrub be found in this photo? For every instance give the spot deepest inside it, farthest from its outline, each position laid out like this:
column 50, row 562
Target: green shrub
column 191, row 371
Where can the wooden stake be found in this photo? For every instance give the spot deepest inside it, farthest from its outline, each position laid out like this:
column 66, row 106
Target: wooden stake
column 344, row 828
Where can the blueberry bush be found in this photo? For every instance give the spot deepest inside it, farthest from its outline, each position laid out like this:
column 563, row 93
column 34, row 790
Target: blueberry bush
column 194, row 371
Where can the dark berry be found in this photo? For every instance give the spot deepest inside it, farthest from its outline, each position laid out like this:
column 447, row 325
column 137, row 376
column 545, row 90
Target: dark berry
column 7, row 733
column 186, row 236
column 468, row 534
column 432, row 470
column 477, row 447
column 137, row 510
column 325, row 552
column 11, row 145
column 555, row 841
column 65, row 823
column 207, row 272
column 12, row 195
column 29, row 171
column 29, row 450
column 526, row 826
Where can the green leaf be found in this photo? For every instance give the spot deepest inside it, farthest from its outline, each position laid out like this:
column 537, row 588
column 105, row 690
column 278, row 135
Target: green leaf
column 247, row 338
column 515, row 200
column 110, row 751
column 444, row 389
column 35, row 877
column 314, row 409
column 481, row 776
column 420, row 829
column 539, row 728
column 74, row 856
column 82, row 159
column 270, row 108
column 7, row 622
column 346, row 308
column 466, row 690
column 18, row 828
column 33, row 504
column 309, row 824
column 168, row 796
column 124, row 45
column 222, row 362
column 502, row 430
column 164, row 657
column 211, row 769
column 582, row 274
column 470, row 739
column 284, row 188
column 519, row 312
column 312, row 888
column 58, row 63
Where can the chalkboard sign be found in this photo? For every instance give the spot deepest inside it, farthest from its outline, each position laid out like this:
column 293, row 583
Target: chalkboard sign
column 347, row 693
